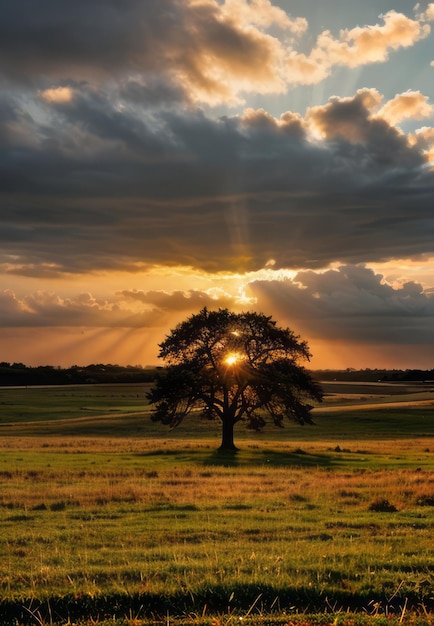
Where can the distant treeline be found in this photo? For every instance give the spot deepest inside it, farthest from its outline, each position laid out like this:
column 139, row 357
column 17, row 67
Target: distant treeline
column 376, row 375
column 12, row 374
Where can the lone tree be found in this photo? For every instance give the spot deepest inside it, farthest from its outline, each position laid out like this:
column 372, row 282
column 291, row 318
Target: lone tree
column 233, row 367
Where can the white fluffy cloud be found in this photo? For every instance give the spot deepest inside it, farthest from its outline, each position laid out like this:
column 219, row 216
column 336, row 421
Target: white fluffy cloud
column 429, row 15
column 373, row 43
column 409, row 105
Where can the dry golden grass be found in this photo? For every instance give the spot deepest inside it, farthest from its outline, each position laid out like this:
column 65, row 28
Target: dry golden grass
column 164, row 514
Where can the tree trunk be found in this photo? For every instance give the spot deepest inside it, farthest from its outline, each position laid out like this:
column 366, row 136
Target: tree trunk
column 228, row 436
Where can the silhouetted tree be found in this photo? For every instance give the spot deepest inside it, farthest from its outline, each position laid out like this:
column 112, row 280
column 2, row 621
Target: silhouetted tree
column 233, row 367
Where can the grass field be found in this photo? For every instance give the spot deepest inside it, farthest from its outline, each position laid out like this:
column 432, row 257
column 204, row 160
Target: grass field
column 108, row 518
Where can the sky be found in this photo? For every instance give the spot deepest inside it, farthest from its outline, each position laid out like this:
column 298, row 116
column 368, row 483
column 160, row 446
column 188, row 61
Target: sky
column 159, row 156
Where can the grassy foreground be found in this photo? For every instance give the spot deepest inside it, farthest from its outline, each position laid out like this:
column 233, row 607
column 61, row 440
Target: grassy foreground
column 107, row 518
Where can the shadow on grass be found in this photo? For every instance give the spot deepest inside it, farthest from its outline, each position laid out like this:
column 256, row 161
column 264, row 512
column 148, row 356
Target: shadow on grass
column 256, row 457
column 262, row 600
column 271, row 458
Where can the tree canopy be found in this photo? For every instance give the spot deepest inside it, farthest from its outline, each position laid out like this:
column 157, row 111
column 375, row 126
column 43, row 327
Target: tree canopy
column 233, row 367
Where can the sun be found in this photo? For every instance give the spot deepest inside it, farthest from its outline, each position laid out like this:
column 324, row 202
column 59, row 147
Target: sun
column 233, row 358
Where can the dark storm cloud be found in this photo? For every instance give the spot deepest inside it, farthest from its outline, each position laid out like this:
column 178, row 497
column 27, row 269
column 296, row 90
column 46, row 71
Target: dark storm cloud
column 171, row 46
column 89, row 180
column 202, row 46
column 82, row 39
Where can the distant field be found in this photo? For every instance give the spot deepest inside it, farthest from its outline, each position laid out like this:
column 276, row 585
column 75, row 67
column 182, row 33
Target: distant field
column 122, row 410
column 106, row 514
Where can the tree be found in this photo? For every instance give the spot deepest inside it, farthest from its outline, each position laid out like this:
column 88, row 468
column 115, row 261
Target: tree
column 233, row 367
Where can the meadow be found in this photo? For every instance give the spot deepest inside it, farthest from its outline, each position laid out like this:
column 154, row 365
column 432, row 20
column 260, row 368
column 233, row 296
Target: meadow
column 109, row 518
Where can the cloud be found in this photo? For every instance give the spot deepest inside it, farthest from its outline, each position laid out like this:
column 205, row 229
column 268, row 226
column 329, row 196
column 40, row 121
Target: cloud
column 57, row 94
column 429, row 14
column 411, row 104
column 202, row 51
column 47, row 309
column 191, row 300
column 423, row 138
column 86, row 40
column 116, row 156
column 128, row 308
column 350, row 303
column 95, row 183
column 348, row 118
column 258, row 12
column 372, row 44
column 354, row 117
column 354, row 47
column 207, row 51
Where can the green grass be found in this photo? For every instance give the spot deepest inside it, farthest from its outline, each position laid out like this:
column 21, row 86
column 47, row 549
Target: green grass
column 122, row 410
column 51, row 403
column 112, row 518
